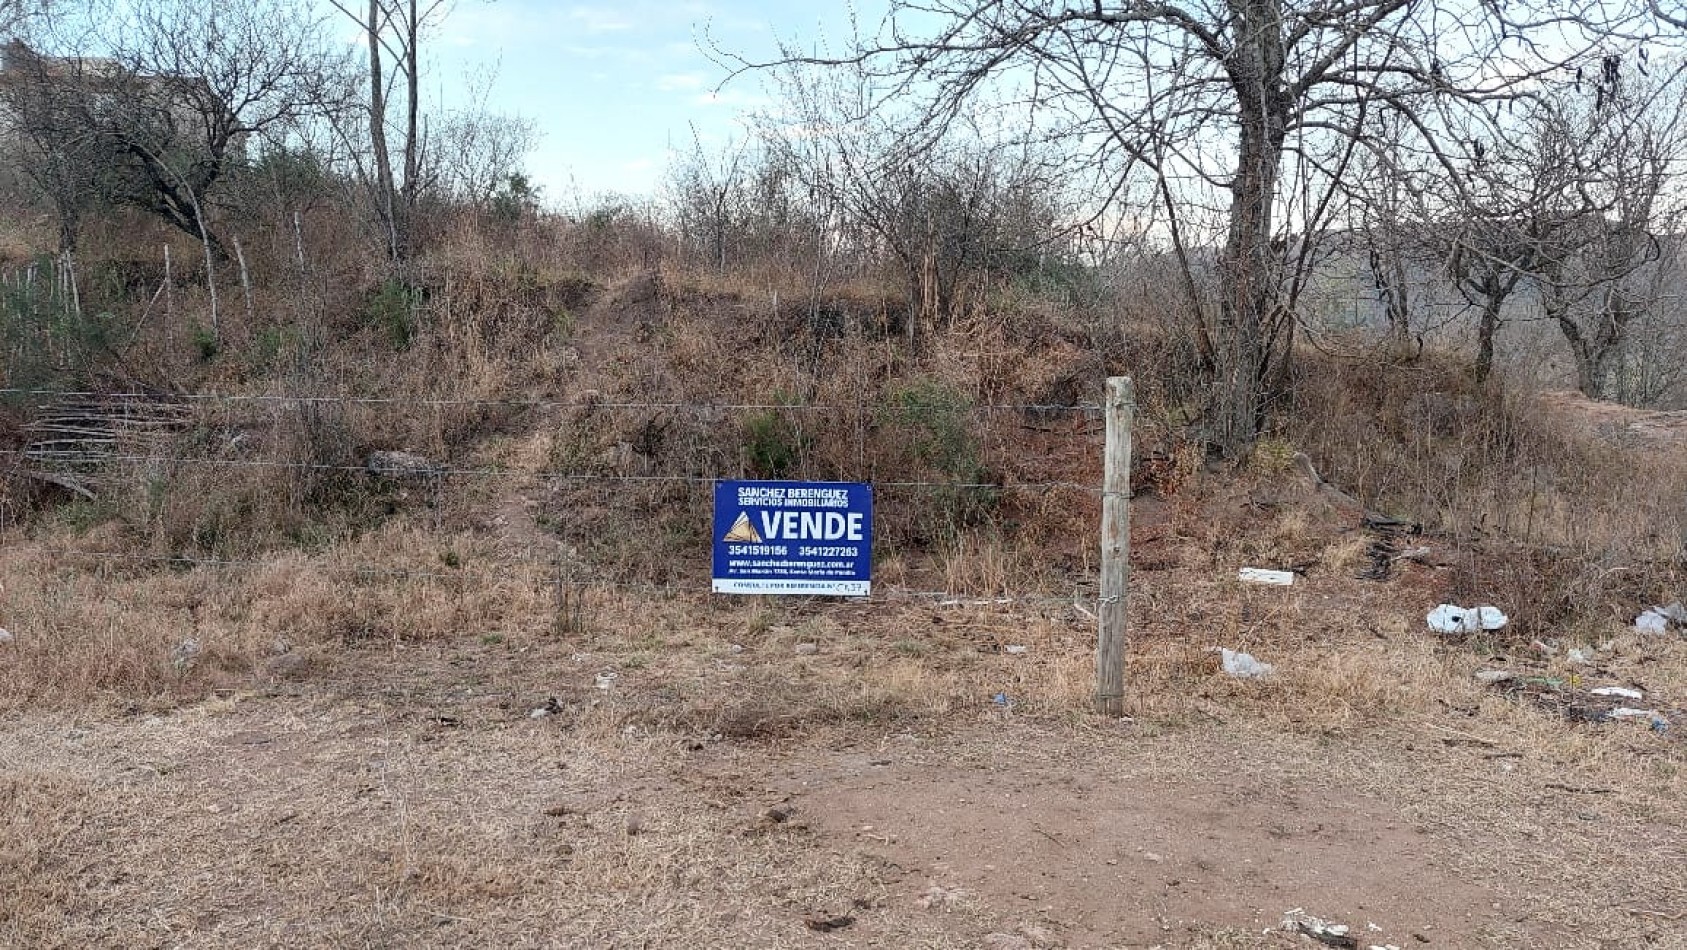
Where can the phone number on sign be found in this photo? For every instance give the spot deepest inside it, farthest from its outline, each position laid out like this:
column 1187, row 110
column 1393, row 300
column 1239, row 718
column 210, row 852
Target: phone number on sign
column 837, row 551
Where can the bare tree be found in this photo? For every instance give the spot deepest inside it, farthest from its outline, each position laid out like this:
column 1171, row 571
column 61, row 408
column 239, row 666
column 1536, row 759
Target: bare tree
column 1218, row 95
column 179, row 96
column 393, row 32
column 943, row 215
column 1612, row 156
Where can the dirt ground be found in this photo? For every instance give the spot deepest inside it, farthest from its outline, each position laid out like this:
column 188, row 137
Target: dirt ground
column 478, row 793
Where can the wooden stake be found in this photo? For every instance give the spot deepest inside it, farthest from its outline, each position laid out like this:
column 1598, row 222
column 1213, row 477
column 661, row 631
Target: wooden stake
column 245, row 279
column 1115, row 548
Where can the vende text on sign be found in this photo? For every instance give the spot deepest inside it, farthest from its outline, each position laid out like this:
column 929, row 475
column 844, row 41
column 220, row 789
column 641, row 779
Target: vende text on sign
column 793, row 538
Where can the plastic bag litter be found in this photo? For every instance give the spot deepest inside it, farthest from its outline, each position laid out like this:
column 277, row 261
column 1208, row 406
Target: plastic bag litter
column 1244, row 666
column 1450, row 618
column 1660, row 619
column 1619, row 691
column 1651, row 622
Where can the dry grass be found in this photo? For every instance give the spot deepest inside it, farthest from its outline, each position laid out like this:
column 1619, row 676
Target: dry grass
column 354, row 712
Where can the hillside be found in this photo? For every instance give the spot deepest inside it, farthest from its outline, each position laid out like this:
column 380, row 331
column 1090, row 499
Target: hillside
column 257, row 694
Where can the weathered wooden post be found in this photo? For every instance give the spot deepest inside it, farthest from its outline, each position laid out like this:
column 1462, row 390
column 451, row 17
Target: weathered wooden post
column 1120, row 409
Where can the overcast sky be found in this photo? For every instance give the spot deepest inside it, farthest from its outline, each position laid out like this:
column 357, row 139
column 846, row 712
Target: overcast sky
column 613, row 87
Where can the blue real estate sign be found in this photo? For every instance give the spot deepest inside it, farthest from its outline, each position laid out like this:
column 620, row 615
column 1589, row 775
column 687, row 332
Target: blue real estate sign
column 793, row 538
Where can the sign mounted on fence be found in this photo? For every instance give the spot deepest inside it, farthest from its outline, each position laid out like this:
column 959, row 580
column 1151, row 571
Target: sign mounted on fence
column 793, row 538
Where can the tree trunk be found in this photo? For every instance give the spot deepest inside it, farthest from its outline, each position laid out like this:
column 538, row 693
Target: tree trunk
column 1247, row 274
column 1485, row 332
column 384, row 191
column 412, row 129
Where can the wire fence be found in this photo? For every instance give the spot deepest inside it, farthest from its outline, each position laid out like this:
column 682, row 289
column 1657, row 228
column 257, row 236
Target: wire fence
column 109, row 448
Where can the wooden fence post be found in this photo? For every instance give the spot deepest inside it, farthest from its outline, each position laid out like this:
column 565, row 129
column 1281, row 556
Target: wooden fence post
column 1115, row 548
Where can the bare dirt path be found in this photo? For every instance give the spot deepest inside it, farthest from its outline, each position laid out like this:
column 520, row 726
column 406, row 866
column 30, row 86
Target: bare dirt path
column 414, row 800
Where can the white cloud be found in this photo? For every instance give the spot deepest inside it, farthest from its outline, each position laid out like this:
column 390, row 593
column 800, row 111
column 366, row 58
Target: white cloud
column 596, row 19
column 680, row 82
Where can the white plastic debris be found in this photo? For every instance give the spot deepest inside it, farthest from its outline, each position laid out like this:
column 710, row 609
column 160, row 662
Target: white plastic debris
column 5, row 635
column 605, row 679
column 1621, row 691
column 1015, row 649
column 1244, row 666
column 1652, row 621
column 1490, row 677
column 1297, row 921
column 1579, row 655
column 1452, row 619
column 1260, row 575
column 1626, row 712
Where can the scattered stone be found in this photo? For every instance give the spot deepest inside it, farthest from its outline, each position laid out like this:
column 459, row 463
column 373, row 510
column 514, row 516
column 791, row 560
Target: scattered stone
column 635, row 823
column 1490, row 677
column 820, row 923
column 779, row 814
column 559, row 810
column 807, row 649
column 281, row 646
column 185, row 653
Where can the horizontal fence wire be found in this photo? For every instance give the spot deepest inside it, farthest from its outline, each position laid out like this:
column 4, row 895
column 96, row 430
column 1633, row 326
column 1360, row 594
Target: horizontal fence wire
column 430, row 402
column 545, row 572
column 543, row 476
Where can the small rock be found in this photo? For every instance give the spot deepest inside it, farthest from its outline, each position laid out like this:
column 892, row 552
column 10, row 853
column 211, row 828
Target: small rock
column 281, row 647
column 807, row 649
column 185, row 653
column 1490, row 677
column 821, row 923
column 5, row 635
column 779, row 814
column 401, row 465
column 635, row 823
